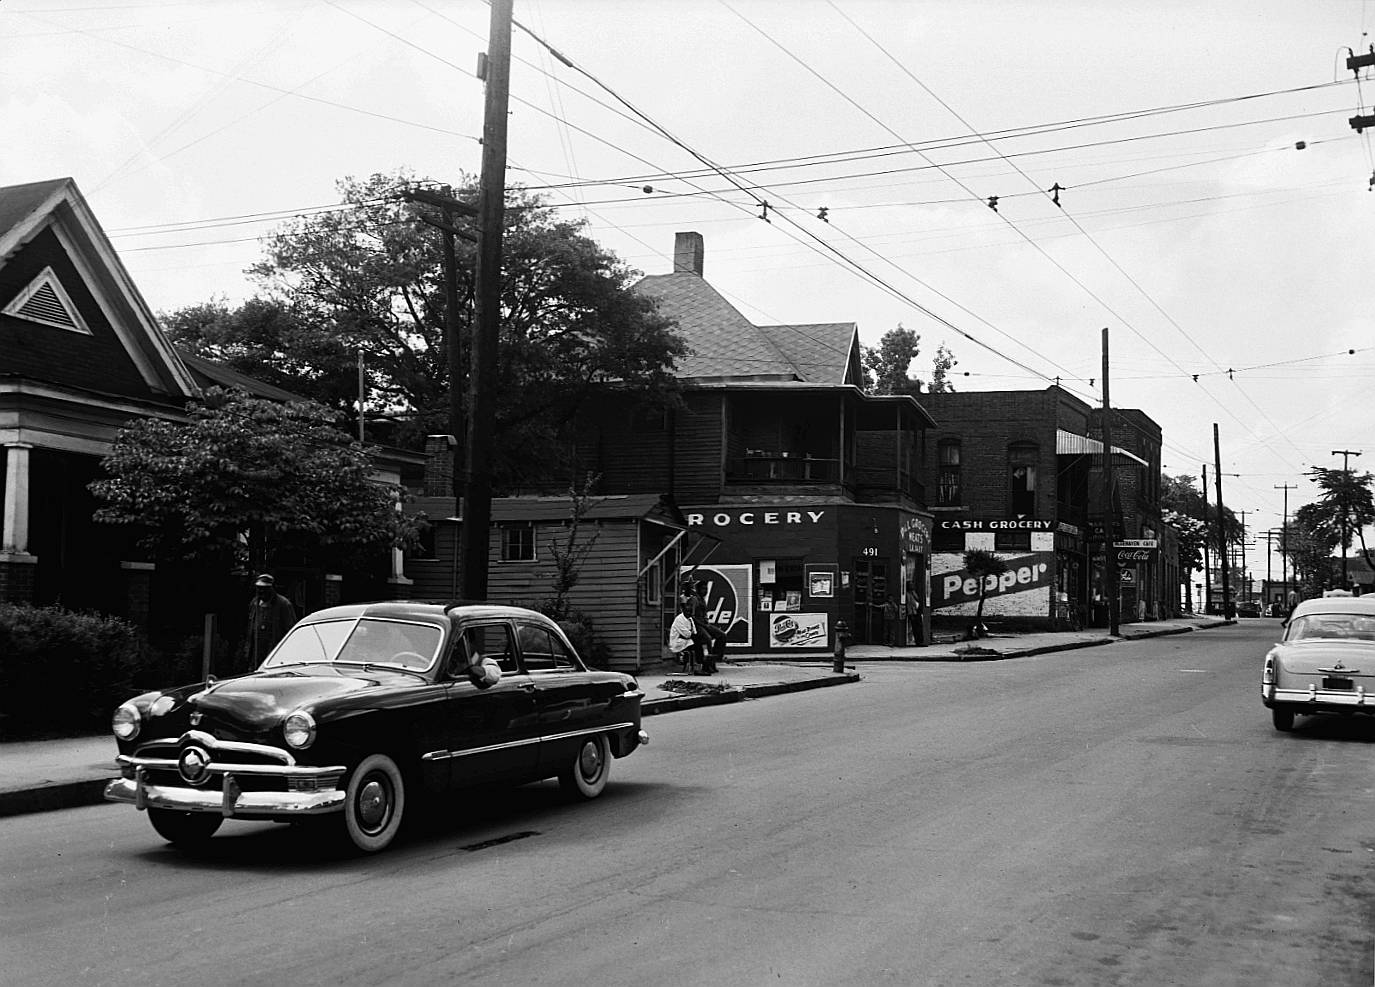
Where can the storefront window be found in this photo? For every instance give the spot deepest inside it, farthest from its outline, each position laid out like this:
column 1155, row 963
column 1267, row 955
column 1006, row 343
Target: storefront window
column 785, row 593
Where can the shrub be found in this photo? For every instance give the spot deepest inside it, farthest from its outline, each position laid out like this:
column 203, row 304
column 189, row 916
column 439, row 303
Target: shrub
column 63, row 672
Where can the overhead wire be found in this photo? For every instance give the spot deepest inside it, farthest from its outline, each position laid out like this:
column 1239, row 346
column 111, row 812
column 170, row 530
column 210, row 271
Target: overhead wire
column 1068, row 215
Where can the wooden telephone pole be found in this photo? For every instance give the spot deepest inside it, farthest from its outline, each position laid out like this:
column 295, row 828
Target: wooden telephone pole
column 475, row 532
column 1221, row 529
column 1109, row 516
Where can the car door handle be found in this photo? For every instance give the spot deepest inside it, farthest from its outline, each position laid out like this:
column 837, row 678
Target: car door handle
column 528, row 686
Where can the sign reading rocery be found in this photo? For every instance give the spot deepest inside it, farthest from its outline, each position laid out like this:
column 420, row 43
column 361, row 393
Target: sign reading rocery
column 764, row 515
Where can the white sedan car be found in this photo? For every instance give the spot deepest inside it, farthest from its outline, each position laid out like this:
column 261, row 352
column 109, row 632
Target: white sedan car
column 1324, row 663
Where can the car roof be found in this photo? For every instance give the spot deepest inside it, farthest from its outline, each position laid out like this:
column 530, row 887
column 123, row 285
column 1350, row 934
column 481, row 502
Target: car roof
column 1336, row 604
column 415, row 610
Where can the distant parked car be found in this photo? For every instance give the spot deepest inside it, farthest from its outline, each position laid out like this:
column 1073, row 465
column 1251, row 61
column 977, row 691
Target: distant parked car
column 361, row 709
column 1248, row 608
column 1325, row 662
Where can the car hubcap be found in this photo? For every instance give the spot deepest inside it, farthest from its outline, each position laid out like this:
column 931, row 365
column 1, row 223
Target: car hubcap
column 590, row 761
column 374, row 802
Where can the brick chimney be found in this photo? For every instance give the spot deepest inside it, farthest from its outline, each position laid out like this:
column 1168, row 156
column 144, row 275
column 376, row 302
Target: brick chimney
column 439, row 465
column 687, row 253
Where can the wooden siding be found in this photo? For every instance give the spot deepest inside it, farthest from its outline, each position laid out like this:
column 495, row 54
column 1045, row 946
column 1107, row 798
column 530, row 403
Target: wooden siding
column 605, row 593
column 96, row 362
column 699, row 434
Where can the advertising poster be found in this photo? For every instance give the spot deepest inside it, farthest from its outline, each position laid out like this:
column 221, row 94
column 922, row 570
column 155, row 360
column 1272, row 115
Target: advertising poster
column 1024, row 589
column 798, row 630
column 729, row 591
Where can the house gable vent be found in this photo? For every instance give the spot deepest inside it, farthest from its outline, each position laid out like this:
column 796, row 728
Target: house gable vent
column 46, row 302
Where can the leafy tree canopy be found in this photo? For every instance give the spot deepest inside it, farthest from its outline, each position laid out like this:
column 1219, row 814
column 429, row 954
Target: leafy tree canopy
column 281, row 473
column 369, row 277
column 886, row 365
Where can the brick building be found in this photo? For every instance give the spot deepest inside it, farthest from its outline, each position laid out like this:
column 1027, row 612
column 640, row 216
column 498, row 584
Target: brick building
column 1019, row 473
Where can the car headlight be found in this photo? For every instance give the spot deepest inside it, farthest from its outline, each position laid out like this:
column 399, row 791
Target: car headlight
column 299, row 729
column 126, row 722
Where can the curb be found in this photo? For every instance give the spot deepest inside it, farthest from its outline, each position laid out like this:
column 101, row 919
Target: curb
column 735, row 694
column 66, row 795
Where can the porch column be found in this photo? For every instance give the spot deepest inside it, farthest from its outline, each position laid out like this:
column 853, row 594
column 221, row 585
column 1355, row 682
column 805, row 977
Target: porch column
column 17, row 567
column 400, row 585
column 14, row 538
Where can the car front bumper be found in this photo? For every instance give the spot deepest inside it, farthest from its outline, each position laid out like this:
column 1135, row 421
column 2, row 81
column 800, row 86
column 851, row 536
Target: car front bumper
column 232, row 788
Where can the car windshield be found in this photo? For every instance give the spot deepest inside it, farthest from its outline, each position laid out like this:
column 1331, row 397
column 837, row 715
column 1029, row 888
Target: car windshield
column 370, row 641
column 1341, row 626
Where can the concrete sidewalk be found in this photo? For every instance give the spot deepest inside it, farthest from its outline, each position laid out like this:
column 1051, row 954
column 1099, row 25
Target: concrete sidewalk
column 1000, row 646
column 40, row 775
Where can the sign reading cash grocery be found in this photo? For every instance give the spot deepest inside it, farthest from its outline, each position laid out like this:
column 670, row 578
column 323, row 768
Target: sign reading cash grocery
column 996, row 524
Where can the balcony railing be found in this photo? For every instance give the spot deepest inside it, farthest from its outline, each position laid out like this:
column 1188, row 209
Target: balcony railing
column 881, row 478
column 783, row 468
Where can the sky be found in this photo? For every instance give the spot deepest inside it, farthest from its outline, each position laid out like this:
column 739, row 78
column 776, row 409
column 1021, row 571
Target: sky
column 1214, row 208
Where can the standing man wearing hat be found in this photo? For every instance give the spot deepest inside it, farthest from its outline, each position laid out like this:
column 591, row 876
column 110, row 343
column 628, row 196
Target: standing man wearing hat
column 270, row 616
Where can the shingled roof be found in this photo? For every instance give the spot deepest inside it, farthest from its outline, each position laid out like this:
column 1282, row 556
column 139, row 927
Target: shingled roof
column 723, row 344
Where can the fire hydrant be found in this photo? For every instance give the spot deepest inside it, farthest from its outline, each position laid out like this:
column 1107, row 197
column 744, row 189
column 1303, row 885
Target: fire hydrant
column 842, row 638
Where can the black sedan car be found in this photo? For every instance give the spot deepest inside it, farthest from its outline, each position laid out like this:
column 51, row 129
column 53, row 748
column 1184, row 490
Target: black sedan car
column 362, row 708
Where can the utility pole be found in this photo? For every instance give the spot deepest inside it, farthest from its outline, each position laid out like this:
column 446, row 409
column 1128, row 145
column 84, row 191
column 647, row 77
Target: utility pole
column 450, row 207
column 1242, row 579
column 1284, row 538
column 1109, row 517
column 1207, row 570
column 1346, row 455
column 475, row 532
column 1221, row 530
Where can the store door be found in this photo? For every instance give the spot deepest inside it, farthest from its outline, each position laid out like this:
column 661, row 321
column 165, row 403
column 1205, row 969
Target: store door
column 871, row 589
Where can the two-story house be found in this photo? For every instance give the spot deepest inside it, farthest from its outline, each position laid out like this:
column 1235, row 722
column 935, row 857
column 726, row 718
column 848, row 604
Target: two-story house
column 805, row 484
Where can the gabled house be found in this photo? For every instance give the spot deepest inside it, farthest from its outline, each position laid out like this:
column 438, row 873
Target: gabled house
column 803, row 485
column 81, row 355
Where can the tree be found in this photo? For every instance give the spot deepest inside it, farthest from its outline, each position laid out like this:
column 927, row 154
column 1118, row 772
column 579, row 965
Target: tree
column 1311, row 540
column 941, row 366
column 569, row 553
column 1345, row 507
column 886, row 365
column 369, row 278
column 983, row 566
column 282, row 474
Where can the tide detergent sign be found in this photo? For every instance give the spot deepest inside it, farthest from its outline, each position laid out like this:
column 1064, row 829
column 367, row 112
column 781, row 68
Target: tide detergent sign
column 1023, row 573
column 727, row 598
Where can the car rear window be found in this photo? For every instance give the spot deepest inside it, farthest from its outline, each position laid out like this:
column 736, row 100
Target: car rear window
column 1339, row 626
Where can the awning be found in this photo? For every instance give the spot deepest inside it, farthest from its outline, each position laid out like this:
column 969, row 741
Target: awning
column 1069, row 444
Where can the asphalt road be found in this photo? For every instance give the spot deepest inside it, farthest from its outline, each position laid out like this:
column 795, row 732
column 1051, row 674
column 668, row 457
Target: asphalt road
column 1118, row 815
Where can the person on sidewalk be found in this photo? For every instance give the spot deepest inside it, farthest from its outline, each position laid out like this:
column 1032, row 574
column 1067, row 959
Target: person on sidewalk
column 711, row 641
column 892, row 625
column 270, row 616
column 916, row 622
column 682, row 635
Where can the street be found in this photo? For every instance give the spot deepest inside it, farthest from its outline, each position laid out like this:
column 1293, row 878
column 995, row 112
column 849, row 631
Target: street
column 1113, row 815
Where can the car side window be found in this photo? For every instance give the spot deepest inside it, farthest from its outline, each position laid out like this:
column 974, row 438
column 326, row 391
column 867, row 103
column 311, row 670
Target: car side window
column 543, row 651
column 490, row 640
